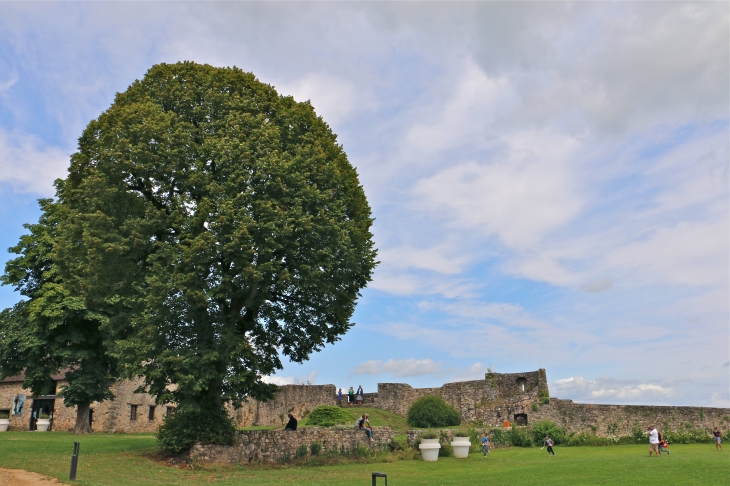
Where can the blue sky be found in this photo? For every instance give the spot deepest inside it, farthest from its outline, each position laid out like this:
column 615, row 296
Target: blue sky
column 549, row 180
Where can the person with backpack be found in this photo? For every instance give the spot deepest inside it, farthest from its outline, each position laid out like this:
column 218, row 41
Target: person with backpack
column 548, row 442
column 364, row 424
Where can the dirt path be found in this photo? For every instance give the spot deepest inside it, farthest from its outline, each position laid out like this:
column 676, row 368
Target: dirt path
column 18, row 477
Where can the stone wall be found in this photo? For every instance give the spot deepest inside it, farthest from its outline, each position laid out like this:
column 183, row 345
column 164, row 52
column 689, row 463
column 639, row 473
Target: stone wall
column 296, row 399
column 497, row 398
column 607, row 420
column 108, row 416
column 271, row 446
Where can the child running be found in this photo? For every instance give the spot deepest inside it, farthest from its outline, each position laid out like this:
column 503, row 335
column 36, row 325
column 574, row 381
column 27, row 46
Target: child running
column 485, row 444
column 717, row 437
column 548, row 442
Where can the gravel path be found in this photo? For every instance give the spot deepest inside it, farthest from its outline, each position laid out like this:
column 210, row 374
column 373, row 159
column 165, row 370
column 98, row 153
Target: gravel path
column 18, row 477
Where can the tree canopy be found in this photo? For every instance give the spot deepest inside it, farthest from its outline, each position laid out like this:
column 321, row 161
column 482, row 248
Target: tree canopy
column 217, row 227
column 53, row 330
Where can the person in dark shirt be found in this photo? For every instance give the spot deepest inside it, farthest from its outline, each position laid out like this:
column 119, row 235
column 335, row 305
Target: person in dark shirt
column 292, row 425
column 717, row 438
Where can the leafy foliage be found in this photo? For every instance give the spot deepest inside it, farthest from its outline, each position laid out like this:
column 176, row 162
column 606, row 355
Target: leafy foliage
column 181, row 431
column 327, row 416
column 519, row 437
column 432, row 411
column 547, row 427
column 54, row 330
column 218, row 226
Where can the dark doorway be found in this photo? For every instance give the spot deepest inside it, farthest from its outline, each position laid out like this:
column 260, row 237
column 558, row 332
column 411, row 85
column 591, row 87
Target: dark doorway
column 91, row 418
column 41, row 406
column 520, row 419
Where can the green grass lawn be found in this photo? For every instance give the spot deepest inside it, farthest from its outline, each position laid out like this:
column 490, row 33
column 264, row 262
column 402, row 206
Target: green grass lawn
column 125, row 459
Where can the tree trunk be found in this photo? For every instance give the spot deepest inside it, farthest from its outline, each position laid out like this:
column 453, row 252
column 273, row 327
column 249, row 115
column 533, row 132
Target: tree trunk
column 82, row 419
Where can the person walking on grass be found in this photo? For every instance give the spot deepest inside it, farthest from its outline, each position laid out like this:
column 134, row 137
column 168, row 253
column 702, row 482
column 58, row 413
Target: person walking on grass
column 653, row 441
column 663, row 444
column 548, row 442
column 717, row 437
column 485, row 444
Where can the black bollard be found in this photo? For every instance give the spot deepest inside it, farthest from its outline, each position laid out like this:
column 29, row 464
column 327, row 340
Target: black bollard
column 377, row 475
column 74, row 462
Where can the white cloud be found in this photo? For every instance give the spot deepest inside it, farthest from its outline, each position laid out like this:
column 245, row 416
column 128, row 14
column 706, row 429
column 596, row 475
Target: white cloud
column 608, row 390
column 333, row 98
column 399, row 367
column 308, row 379
column 477, row 371
column 28, row 165
column 398, row 283
column 527, row 190
column 436, row 259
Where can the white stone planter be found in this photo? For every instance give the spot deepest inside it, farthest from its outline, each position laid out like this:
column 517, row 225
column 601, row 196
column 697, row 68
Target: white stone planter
column 4, row 424
column 42, row 425
column 461, row 446
column 430, row 449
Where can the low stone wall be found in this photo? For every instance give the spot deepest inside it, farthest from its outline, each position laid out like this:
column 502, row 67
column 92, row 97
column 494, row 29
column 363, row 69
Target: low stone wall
column 271, row 446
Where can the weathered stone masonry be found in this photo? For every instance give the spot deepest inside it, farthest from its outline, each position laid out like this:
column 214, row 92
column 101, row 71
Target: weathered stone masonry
column 271, row 446
column 499, row 397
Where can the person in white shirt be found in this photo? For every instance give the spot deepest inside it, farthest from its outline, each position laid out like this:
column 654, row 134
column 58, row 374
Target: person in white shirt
column 653, row 441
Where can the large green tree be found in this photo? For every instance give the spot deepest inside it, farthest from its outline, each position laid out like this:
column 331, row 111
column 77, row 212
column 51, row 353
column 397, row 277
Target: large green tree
column 53, row 331
column 219, row 226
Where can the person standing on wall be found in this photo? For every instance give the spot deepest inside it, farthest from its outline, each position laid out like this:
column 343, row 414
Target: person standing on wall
column 653, row 441
column 351, row 397
column 548, row 442
column 717, row 437
column 359, row 395
column 339, row 398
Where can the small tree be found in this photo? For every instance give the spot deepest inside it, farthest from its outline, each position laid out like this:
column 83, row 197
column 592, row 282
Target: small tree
column 432, row 411
column 219, row 226
column 53, row 331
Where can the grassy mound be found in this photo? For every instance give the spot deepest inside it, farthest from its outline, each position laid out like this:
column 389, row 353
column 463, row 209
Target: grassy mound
column 327, row 416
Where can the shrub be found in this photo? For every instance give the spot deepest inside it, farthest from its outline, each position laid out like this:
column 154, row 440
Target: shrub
column 186, row 427
column 327, row 416
column 519, row 437
column 429, row 435
column 4, row 414
column 547, row 427
column 301, row 451
column 432, row 411
column 499, row 436
column 446, row 450
column 544, row 397
column 461, row 433
column 315, row 448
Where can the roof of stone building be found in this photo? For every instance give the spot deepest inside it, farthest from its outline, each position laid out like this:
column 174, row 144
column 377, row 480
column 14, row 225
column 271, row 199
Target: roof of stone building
column 11, row 379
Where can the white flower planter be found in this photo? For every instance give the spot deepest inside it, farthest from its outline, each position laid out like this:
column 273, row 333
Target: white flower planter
column 461, row 446
column 42, row 425
column 430, row 449
column 4, row 424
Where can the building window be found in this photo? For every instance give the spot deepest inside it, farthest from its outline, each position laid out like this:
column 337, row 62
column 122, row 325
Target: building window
column 151, row 415
column 521, row 383
column 170, row 410
column 133, row 412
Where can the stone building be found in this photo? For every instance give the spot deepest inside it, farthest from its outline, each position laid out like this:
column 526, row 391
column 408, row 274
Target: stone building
column 519, row 398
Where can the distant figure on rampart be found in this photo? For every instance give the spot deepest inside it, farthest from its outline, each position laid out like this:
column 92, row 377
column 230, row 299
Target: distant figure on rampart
column 359, row 394
column 339, row 398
